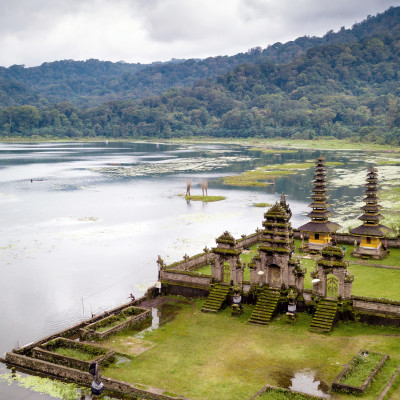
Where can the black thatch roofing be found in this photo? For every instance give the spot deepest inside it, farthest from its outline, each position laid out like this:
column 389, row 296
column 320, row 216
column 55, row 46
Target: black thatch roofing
column 319, row 214
column 325, row 227
column 322, row 205
column 368, row 217
column 370, row 207
column 368, row 230
column 371, row 199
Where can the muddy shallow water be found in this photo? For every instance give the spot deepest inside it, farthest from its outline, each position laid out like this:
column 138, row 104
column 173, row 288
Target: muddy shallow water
column 82, row 226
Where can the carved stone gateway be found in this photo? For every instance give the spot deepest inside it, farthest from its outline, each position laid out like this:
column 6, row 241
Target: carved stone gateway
column 274, row 265
column 331, row 263
column 226, row 251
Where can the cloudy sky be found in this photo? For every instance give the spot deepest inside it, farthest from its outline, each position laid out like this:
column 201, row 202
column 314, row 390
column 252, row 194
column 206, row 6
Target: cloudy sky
column 36, row 31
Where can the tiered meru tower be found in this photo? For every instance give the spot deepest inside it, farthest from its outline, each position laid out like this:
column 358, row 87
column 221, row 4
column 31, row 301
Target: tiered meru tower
column 274, row 264
column 319, row 228
column 371, row 231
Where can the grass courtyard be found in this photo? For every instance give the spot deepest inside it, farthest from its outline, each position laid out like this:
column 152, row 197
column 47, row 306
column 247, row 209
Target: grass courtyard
column 217, row 356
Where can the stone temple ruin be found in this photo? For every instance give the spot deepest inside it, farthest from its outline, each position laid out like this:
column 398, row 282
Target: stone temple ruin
column 274, row 266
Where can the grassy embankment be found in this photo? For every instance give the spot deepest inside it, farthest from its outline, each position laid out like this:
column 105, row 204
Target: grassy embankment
column 217, row 356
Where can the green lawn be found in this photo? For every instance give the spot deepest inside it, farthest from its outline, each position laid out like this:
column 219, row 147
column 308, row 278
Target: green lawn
column 220, row 357
column 375, row 282
column 74, row 353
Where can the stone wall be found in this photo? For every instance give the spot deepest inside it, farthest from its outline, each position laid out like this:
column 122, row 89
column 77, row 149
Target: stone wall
column 84, row 377
column 375, row 306
column 184, row 290
column 248, row 241
column 73, row 330
column 99, row 354
column 192, row 263
column 89, row 331
column 201, row 259
column 183, row 277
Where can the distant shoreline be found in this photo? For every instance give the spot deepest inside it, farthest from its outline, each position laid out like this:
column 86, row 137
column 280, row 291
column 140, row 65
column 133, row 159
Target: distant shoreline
column 319, row 144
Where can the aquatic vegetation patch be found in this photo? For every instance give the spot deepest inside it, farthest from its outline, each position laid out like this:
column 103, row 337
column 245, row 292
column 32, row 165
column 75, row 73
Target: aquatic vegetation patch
column 273, row 150
column 262, row 205
column 334, row 163
column 176, row 165
column 288, row 166
column 388, row 162
column 265, row 175
column 205, row 199
column 46, row 386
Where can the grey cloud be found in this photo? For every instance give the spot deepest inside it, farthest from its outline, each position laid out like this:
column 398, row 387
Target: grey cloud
column 174, row 20
column 22, row 16
column 34, row 31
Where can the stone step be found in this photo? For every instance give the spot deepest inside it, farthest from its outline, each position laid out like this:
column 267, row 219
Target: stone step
column 265, row 307
column 215, row 299
column 324, row 316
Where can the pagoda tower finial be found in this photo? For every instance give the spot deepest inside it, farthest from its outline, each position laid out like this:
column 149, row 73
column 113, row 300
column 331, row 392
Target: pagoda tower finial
column 371, row 231
column 285, row 205
column 319, row 228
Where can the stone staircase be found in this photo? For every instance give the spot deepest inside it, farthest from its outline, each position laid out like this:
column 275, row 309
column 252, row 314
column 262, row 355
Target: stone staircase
column 216, row 298
column 266, row 305
column 324, row 316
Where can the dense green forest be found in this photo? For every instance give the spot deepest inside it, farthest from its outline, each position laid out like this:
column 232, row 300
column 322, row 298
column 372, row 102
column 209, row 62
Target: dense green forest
column 345, row 84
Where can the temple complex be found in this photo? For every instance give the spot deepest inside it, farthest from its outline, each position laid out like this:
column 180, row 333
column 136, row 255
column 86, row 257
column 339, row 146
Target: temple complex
column 371, row 231
column 319, row 229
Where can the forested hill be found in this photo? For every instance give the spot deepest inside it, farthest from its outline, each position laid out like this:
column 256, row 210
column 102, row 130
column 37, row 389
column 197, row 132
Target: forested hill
column 340, row 90
column 87, row 83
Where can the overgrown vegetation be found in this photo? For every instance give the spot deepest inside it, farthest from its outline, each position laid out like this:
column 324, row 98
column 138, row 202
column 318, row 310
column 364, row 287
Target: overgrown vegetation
column 74, row 353
column 360, row 369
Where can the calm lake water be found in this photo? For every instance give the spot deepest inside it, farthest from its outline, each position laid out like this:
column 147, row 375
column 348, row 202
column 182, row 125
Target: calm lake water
column 82, row 225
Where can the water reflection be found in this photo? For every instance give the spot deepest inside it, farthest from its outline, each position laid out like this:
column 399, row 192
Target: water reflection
column 306, row 382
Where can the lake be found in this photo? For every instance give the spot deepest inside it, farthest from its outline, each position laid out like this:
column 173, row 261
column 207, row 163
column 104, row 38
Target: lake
column 82, row 225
